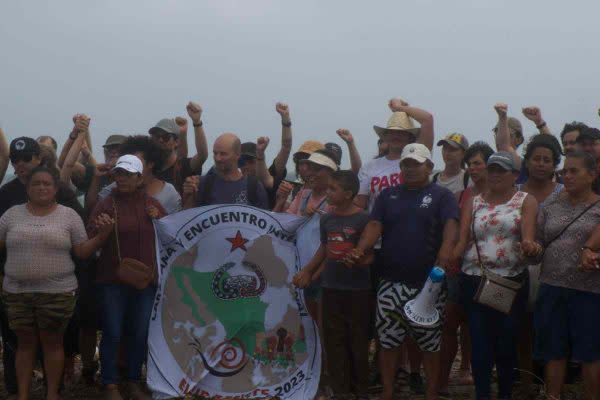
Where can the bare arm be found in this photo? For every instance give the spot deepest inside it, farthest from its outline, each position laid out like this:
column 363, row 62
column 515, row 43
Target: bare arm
column 534, row 114
column 529, row 218
column 91, row 196
column 182, row 144
column 195, row 112
column 190, row 189
column 286, row 139
column 303, row 278
column 4, row 154
column 80, row 122
column 503, row 140
column 370, row 236
column 421, row 116
column 70, row 165
column 85, row 250
column 355, row 161
column 448, row 241
column 262, row 172
column 464, row 231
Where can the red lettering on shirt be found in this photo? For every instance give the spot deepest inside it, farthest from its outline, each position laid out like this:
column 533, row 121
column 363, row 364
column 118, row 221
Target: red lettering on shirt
column 374, row 182
column 385, row 183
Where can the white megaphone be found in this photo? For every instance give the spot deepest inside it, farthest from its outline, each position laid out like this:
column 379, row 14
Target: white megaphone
column 421, row 310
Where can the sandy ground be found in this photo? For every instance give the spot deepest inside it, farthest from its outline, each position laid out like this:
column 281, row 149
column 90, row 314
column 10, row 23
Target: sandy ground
column 76, row 390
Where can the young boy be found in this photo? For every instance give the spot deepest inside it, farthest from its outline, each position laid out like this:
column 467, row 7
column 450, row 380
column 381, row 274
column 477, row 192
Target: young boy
column 346, row 302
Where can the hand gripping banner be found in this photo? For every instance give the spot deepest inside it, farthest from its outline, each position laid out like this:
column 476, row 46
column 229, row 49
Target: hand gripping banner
column 227, row 323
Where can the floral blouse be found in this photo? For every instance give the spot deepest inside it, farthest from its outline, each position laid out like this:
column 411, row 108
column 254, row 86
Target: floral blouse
column 497, row 233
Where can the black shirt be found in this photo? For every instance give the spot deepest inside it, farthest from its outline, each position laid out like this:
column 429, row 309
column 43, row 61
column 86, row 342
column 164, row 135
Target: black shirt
column 277, row 179
column 177, row 173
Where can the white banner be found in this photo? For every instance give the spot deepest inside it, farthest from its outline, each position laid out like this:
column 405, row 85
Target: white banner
column 227, row 323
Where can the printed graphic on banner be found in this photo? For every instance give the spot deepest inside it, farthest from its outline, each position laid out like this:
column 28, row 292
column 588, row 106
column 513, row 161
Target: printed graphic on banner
column 227, row 321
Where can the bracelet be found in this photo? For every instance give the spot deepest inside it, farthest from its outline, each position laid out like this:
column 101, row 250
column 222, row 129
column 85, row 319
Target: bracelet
column 540, row 126
column 286, row 124
column 198, row 125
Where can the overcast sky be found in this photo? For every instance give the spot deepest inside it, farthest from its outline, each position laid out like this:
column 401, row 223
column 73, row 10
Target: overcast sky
column 130, row 63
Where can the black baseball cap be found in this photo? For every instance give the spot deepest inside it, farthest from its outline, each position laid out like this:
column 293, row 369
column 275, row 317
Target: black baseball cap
column 249, row 149
column 336, row 151
column 24, row 146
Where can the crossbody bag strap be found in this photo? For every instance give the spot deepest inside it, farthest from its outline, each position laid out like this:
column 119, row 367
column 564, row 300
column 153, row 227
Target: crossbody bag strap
column 570, row 223
column 115, row 211
column 475, row 242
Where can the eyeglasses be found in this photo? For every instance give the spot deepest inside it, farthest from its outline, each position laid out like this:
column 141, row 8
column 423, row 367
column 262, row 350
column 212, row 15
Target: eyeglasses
column 21, row 157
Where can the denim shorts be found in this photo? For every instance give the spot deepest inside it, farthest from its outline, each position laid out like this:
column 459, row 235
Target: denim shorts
column 566, row 324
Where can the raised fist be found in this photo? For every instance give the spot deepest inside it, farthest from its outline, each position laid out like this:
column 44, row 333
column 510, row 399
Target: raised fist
column 182, row 124
column 397, row 104
column 345, row 135
column 190, row 186
column 261, row 144
column 533, row 114
column 194, row 111
column 501, row 109
column 283, row 110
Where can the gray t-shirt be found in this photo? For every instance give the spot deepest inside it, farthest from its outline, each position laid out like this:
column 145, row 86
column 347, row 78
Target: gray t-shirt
column 231, row 192
column 340, row 234
column 561, row 258
column 168, row 197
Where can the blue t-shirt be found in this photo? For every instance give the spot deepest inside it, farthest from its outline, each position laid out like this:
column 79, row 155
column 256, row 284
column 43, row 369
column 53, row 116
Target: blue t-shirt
column 233, row 192
column 413, row 225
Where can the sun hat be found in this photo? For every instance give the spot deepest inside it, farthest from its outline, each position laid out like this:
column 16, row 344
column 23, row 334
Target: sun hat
column 309, row 147
column 114, row 140
column 503, row 159
column 129, row 163
column 416, row 151
column 321, row 159
column 455, row 139
column 398, row 122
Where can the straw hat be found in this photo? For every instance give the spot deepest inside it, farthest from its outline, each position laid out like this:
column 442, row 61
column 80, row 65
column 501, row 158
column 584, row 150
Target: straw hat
column 399, row 121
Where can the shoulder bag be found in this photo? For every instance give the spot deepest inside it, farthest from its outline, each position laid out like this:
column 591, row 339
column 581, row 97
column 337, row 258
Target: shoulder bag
column 130, row 271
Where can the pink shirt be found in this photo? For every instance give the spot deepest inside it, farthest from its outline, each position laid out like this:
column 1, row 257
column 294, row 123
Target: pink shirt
column 313, row 201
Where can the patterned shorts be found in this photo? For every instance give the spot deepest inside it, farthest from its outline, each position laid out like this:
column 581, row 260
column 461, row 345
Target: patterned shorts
column 42, row 311
column 392, row 326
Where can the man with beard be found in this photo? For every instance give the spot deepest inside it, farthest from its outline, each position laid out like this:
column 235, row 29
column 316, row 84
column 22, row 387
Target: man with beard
column 227, row 185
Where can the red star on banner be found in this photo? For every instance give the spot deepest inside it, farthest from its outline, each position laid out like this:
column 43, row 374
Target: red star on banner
column 237, row 242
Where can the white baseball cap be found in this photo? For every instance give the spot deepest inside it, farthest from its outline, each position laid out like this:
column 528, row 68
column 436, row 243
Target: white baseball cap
column 129, row 163
column 417, row 152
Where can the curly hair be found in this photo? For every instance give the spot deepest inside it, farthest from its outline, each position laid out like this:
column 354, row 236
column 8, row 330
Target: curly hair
column 152, row 152
column 572, row 126
column 546, row 141
column 478, row 148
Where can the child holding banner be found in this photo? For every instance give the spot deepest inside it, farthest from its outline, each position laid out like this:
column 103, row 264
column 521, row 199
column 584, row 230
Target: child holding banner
column 346, row 311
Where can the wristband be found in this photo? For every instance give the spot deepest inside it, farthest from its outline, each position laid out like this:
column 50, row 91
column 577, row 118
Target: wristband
column 197, row 125
column 286, row 124
column 540, row 126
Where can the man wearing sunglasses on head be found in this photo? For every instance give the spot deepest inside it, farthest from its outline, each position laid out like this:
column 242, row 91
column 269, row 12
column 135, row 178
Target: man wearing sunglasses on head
column 171, row 135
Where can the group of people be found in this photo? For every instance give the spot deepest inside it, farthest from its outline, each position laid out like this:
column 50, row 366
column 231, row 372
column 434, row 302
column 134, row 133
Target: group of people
column 526, row 223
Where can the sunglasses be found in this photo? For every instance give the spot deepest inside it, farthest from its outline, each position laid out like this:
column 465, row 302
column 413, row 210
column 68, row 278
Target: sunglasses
column 21, row 157
column 165, row 137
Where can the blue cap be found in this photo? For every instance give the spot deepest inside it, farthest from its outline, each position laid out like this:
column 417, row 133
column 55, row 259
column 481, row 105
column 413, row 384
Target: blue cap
column 437, row 274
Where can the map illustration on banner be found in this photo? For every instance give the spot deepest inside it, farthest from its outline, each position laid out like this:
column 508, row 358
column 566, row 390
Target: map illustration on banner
column 226, row 321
